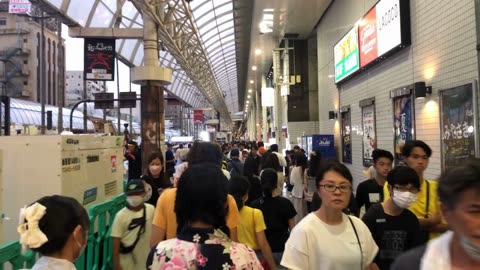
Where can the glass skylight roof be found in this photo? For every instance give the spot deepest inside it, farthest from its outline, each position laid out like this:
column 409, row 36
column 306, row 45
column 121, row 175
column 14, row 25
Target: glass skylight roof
column 214, row 20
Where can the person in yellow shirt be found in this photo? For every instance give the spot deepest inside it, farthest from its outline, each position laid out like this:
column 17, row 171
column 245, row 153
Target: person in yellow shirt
column 165, row 220
column 416, row 155
column 251, row 230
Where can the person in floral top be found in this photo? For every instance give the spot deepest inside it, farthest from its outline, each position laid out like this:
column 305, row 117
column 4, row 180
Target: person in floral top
column 202, row 241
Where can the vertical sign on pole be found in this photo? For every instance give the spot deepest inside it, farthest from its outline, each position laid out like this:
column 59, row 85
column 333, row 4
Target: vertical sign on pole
column 99, row 59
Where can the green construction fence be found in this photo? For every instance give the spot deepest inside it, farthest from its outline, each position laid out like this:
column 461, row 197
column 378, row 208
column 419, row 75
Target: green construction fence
column 97, row 255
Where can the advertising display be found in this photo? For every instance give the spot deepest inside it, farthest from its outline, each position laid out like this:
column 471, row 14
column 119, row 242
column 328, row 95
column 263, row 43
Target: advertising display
column 404, row 123
column 369, row 137
column 99, row 59
column 458, row 108
column 346, row 137
column 346, row 55
column 385, row 27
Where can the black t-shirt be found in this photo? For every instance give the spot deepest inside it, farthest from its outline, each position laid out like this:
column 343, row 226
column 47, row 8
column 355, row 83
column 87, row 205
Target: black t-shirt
column 393, row 234
column 368, row 193
column 134, row 165
column 276, row 212
column 157, row 185
column 255, row 191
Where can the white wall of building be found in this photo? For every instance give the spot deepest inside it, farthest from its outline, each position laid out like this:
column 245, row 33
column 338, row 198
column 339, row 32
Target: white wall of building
column 442, row 53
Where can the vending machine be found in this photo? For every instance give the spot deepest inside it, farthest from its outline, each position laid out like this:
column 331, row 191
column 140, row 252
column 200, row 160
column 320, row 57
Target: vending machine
column 85, row 167
column 323, row 143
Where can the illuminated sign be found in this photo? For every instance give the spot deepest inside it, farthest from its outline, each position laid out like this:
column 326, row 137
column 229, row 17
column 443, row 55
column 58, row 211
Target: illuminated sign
column 346, row 55
column 383, row 29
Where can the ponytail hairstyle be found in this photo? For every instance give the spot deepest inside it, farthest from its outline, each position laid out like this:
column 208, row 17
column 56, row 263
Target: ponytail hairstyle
column 238, row 187
column 268, row 180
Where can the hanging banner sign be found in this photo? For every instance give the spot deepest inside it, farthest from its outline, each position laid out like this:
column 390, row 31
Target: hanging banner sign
column 268, row 95
column 458, row 106
column 99, row 59
column 198, row 117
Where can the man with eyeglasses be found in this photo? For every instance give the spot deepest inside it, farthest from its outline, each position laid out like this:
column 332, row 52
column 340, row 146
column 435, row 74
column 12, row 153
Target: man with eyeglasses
column 416, row 155
column 394, row 228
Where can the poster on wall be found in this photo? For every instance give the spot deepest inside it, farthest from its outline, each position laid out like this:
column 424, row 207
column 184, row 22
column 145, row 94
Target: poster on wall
column 458, row 108
column 369, row 136
column 404, row 123
column 346, row 137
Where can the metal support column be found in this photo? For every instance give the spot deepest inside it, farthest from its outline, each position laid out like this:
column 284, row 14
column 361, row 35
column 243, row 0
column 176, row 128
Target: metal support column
column 60, row 77
column 151, row 77
column 42, row 74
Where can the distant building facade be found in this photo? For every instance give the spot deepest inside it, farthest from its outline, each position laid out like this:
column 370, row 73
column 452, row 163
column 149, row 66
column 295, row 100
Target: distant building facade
column 20, row 57
column 74, row 87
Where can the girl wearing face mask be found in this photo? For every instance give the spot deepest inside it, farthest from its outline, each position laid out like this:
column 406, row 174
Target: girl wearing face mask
column 394, row 228
column 56, row 227
column 131, row 229
column 156, row 179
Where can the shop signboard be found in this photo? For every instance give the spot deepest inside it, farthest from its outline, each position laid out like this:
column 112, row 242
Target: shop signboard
column 346, row 56
column 404, row 123
column 99, row 59
column 19, row 7
column 458, row 116
column 369, row 137
column 384, row 28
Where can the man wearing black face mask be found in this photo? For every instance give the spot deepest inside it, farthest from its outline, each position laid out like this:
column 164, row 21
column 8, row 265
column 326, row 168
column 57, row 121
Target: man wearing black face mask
column 131, row 229
column 459, row 248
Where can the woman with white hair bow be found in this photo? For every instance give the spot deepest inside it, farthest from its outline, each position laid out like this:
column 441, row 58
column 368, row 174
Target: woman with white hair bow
column 56, row 227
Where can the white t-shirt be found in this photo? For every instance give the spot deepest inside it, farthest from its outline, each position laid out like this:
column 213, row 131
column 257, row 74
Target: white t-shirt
column 314, row 244
column 296, row 179
column 51, row 263
column 138, row 257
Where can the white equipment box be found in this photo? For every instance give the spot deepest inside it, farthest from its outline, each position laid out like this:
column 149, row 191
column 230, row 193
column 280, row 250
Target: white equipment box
column 86, row 167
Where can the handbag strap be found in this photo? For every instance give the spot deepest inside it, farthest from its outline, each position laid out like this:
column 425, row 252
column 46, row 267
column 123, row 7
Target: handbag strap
column 141, row 230
column 428, row 198
column 358, row 240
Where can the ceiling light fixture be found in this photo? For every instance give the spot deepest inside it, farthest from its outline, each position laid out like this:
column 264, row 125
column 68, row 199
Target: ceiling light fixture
column 251, row 81
column 248, row 96
column 249, row 90
column 258, row 52
column 254, row 68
